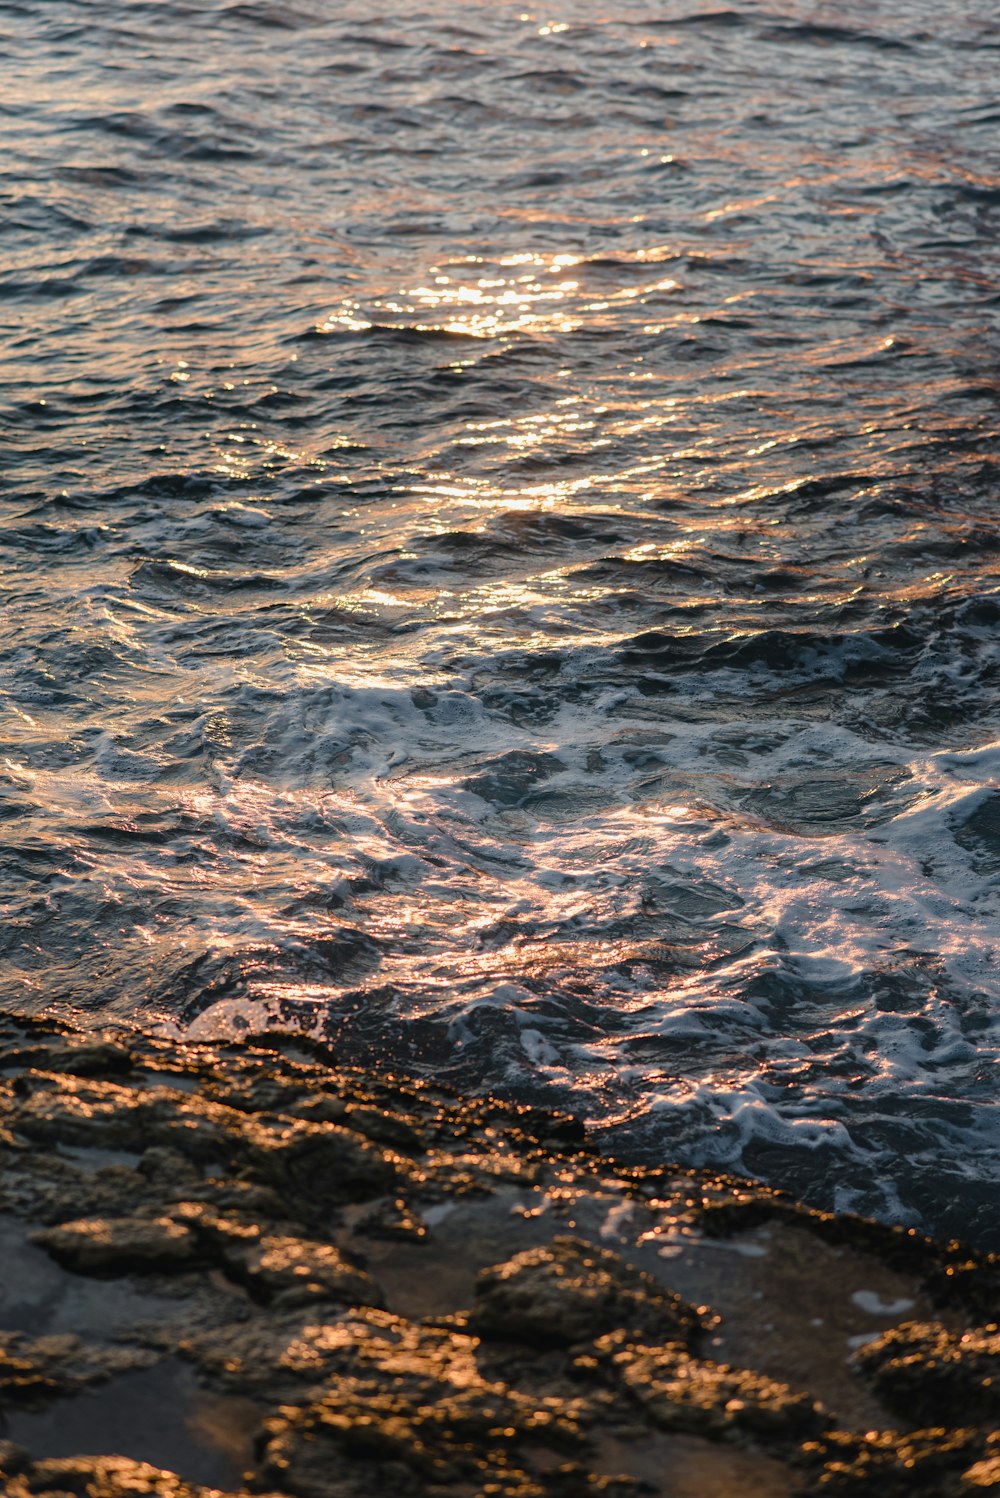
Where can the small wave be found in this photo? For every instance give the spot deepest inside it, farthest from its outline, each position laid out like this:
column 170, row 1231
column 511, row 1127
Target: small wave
column 501, row 562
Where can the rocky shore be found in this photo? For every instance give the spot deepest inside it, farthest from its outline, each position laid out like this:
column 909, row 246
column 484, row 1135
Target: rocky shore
column 246, row 1270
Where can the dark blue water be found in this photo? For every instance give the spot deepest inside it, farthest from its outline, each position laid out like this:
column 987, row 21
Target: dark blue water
column 502, row 561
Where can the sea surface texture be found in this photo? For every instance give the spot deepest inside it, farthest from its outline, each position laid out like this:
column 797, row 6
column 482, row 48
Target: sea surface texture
column 501, row 557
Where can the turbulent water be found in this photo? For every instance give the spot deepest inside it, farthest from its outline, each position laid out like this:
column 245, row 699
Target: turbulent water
column 502, row 557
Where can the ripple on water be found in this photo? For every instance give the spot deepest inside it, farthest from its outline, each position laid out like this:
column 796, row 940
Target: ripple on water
column 502, row 563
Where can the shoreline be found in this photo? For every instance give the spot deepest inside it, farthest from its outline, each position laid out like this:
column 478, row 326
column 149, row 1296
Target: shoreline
column 261, row 1273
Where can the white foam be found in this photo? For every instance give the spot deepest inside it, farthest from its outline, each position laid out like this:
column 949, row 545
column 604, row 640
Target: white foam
column 873, row 1303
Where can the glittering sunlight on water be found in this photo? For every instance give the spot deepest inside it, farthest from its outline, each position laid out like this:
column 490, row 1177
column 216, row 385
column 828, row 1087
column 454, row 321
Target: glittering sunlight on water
column 501, row 557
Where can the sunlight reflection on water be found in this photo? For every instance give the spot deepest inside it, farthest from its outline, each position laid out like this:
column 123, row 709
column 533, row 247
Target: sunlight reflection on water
column 501, row 557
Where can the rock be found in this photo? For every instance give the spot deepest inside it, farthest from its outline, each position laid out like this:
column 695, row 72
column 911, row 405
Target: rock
column 570, row 1291
column 88, row 1113
column 984, row 1476
column 386, row 1128
column 933, row 1376
column 99, row 1477
column 249, row 1186
column 13, row 1458
column 168, row 1167
column 102, row 1245
column 393, row 1220
column 894, row 1464
column 292, row 1270
column 314, row 1166
column 276, row 1357
column 706, row 1398
column 22, row 1381
column 407, row 1409
column 82, row 1057
column 33, row 1371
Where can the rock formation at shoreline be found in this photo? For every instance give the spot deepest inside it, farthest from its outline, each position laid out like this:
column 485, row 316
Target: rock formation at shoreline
column 244, row 1269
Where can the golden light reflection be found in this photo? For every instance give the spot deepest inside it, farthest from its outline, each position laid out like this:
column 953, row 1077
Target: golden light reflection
column 485, row 496
column 534, row 296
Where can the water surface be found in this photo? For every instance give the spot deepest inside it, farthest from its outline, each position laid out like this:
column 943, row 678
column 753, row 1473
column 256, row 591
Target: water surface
column 501, row 559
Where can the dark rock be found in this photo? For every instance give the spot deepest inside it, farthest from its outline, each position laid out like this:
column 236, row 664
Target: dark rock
column 34, row 1371
column 683, row 1393
column 570, row 1291
column 406, row 1408
column 80, row 1057
column 89, row 1113
column 393, row 1219
column 896, row 1464
column 313, row 1166
column 931, row 1375
column 102, row 1245
column 292, row 1270
column 273, row 1203
column 386, row 1128
column 13, row 1458
column 99, row 1477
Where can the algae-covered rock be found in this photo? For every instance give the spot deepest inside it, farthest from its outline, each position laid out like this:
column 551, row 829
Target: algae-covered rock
column 571, row 1291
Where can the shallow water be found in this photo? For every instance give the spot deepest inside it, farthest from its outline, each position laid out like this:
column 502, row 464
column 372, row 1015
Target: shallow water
column 501, row 564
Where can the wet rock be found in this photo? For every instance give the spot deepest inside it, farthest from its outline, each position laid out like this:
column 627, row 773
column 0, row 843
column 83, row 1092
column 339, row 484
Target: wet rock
column 13, row 1458
column 684, row 1393
column 64, row 1110
column 571, row 1291
column 35, row 1370
column 276, row 1358
column 407, row 1407
column 266, row 1196
column 76, row 1056
column 314, row 1166
column 168, row 1167
column 509, row 780
column 292, row 1270
column 22, row 1380
column 895, row 1464
column 984, row 1476
column 98, row 1477
column 321, row 1109
column 393, row 1220
column 930, row 1375
column 386, row 1128
column 102, row 1245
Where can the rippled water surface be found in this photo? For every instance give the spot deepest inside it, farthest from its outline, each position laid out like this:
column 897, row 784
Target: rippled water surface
column 502, row 558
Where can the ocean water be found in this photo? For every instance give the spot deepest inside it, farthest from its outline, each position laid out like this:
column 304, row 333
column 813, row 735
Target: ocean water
column 501, row 557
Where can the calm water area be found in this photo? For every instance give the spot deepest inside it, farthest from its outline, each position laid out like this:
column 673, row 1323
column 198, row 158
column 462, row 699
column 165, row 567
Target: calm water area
column 501, row 557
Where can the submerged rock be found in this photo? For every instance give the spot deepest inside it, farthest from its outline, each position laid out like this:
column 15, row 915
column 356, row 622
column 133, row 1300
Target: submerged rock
column 392, row 1288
